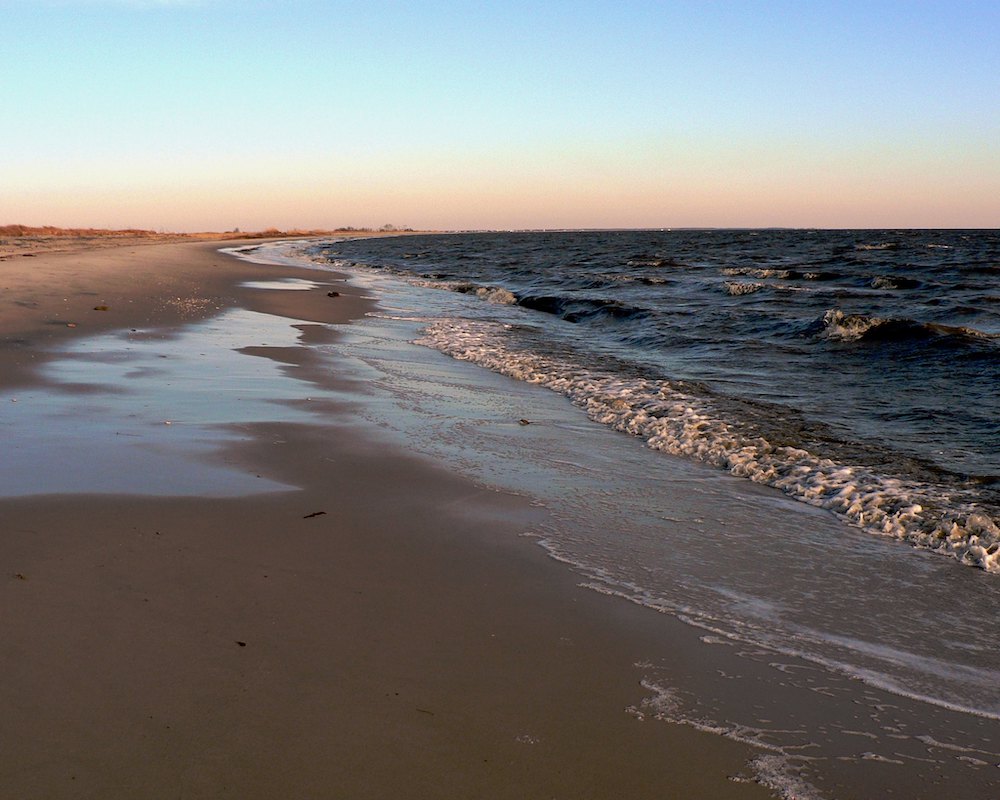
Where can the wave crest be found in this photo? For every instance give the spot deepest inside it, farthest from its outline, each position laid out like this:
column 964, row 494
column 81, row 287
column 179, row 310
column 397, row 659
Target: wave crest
column 894, row 282
column 496, row 294
column 680, row 423
column 878, row 246
column 735, row 288
column 836, row 325
column 578, row 309
column 653, row 261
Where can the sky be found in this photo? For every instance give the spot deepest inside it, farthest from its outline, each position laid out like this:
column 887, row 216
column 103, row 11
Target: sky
column 191, row 115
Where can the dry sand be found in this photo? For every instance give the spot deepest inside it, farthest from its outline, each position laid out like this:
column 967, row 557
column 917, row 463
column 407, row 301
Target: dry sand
column 405, row 643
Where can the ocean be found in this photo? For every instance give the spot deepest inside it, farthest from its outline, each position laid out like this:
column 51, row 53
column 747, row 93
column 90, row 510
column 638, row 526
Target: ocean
column 787, row 439
column 855, row 370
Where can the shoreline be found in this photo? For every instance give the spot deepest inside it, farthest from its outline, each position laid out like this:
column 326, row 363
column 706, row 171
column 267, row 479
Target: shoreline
column 407, row 641
column 876, row 725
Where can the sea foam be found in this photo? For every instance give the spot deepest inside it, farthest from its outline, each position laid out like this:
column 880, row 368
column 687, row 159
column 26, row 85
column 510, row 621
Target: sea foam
column 737, row 288
column 676, row 422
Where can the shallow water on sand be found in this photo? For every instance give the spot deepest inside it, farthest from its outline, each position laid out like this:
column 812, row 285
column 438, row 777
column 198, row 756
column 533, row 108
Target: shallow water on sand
column 148, row 412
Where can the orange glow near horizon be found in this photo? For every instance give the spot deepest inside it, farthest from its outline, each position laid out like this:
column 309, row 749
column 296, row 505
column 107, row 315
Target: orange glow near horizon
column 488, row 196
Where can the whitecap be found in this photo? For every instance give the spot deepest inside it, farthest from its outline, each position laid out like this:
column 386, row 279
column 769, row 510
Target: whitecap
column 878, row 246
column 680, row 423
column 736, row 288
column 496, row 294
column 847, row 327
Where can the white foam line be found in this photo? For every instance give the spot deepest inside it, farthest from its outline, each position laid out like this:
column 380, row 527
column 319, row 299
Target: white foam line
column 773, row 769
column 678, row 423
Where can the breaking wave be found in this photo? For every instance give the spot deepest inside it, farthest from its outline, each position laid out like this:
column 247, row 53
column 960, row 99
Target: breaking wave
column 878, row 246
column 653, row 261
column 784, row 274
column 835, row 324
column 736, row 289
column 680, row 423
column 894, row 282
column 578, row 309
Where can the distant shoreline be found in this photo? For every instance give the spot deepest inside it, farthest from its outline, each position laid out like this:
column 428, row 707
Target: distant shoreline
column 23, row 240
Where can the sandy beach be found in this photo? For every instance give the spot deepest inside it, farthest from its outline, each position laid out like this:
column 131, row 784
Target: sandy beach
column 502, row 401
column 370, row 625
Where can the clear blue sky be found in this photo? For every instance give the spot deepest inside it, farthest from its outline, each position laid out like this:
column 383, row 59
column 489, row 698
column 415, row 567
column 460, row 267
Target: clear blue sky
column 216, row 113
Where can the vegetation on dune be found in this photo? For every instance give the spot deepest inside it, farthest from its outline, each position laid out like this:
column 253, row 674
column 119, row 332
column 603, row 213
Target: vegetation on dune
column 50, row 230
column 17, row 231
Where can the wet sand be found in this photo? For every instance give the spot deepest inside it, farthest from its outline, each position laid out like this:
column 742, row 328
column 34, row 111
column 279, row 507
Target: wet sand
column 406, row 642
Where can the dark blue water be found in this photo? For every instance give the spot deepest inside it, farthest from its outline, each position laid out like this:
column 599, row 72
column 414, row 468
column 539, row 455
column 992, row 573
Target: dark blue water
column 784, row 356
